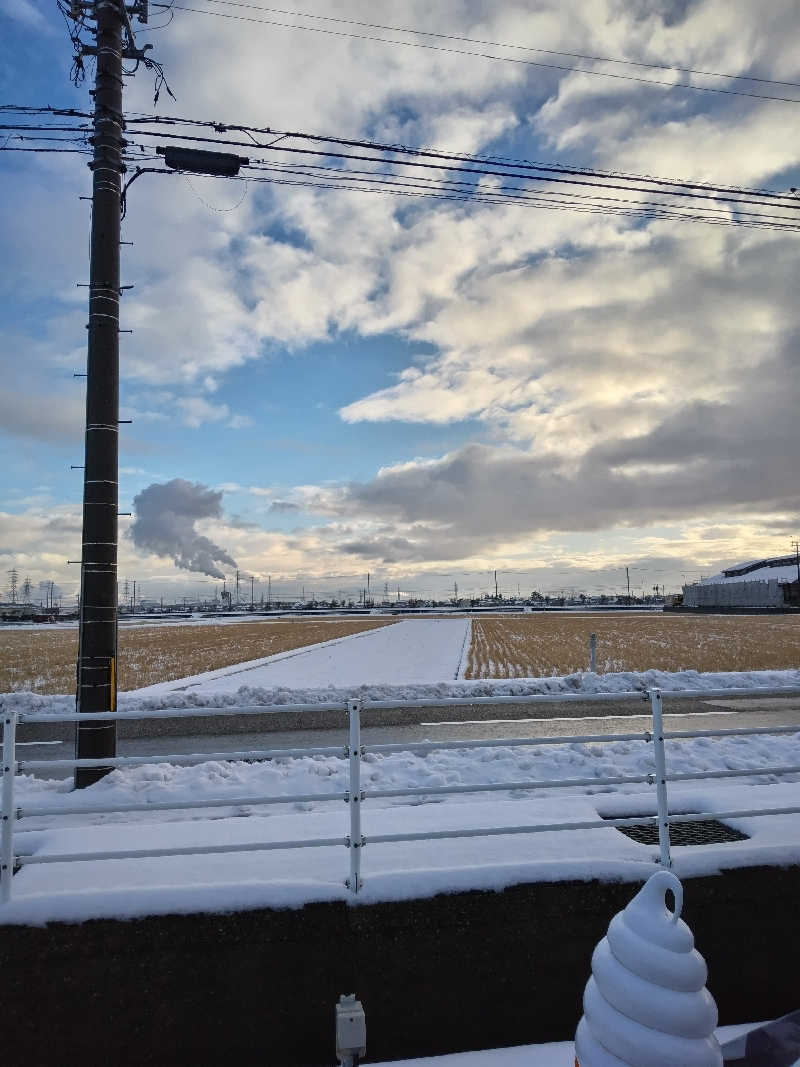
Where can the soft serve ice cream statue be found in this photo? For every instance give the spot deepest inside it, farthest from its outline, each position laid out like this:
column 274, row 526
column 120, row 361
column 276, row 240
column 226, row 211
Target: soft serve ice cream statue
column 646, row 1004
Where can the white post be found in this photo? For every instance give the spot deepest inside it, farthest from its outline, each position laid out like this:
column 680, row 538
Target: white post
column 661, row 777
column 593, row 653
column 354, row 798
column 8, row 811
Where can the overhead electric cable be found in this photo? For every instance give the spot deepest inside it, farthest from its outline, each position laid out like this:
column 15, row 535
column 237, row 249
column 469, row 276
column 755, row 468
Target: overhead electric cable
column 479, row 55
column 507, row 191
column 355, row 185
column 31, row 109
column 80, row 151
column 399, row 149
column 508, row 171
column 494, row 194
column 433, row 153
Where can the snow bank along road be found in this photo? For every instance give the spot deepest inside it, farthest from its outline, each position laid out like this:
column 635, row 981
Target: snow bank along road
column 418, row 651
column 225, row 882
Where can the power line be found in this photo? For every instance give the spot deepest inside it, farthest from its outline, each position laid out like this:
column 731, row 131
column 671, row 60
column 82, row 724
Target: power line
column 479, row 55
column 558, row 176
column 409, row 191
column 499, row 44
column 450, row 187
column 441, row 154
column 493, row 161
column 75, row 151
column 512, row 193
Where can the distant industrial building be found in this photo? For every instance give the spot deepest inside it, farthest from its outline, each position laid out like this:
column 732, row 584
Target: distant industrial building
column 760, row 583
column 16, row 612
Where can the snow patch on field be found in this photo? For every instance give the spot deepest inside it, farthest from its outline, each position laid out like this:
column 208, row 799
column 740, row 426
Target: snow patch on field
column 417, row 651
column 463, row 664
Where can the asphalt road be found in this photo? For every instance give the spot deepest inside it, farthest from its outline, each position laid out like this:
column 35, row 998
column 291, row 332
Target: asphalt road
column 560, row 720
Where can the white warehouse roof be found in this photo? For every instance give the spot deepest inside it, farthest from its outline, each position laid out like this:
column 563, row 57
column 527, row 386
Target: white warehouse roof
column 774, row 568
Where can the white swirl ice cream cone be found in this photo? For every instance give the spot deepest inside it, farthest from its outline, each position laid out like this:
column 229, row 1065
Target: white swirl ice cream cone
column 646, row 1004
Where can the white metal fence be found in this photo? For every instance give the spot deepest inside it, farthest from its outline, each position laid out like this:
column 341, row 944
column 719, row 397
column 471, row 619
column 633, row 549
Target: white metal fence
column 355, row 796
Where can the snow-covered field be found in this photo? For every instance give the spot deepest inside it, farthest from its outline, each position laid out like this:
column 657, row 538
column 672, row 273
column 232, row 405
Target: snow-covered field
column 417, row 651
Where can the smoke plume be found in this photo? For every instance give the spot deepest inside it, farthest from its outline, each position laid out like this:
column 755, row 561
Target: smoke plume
column 165, row 524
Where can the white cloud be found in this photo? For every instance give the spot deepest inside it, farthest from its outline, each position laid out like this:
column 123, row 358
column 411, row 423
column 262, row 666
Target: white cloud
column 27, row 12
column 577, row 339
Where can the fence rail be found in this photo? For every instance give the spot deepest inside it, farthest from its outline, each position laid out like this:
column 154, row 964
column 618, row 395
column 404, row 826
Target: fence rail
column 355, row 796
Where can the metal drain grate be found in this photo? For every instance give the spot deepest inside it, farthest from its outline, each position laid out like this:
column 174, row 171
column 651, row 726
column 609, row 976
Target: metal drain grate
column 705, row 832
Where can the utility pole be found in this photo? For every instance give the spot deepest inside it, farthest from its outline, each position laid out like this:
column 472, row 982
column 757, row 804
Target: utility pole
column 496, row 594
column 97, row 635
column 252, row 594
column 97, row 640
column 237, row 588
column 628, row 580
column 796, row 547
column 269, row 592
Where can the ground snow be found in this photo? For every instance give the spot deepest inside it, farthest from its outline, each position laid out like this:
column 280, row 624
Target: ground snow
column 400, row 870
column 165, row 782
column 179, row 694
column 555, row 1054
column 408, row 661
column 419, row 651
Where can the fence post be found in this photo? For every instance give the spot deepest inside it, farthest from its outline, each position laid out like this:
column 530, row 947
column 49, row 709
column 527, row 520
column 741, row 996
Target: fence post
column 662, row 801
column 354, row 795
column 593, row 653
column 8, row 810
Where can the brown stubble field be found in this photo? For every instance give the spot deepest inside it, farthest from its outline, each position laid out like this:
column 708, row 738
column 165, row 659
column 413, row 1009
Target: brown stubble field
column 44, row 660
column 535, row 646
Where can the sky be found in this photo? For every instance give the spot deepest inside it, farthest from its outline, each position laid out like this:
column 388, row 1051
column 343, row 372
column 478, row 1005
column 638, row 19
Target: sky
column 325, row 384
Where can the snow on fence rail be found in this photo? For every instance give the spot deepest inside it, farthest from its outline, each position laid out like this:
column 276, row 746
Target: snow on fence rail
column 355, row 796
